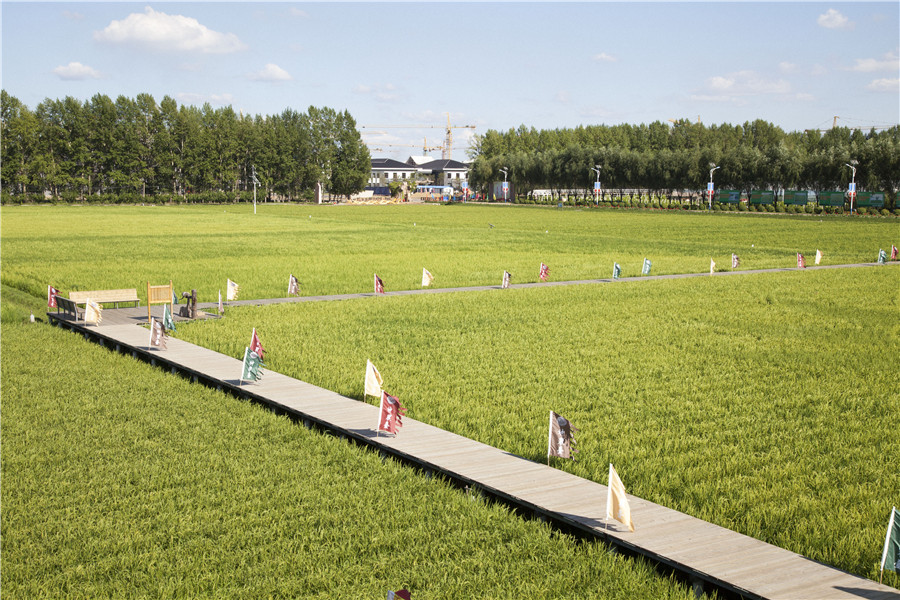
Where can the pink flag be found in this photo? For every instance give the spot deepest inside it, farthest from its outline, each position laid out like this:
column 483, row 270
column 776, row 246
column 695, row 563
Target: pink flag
column 893, row 252
column 801, row 262
column 545, row 272
column 389, row 419
column 379, row 285
column 256, row 345
column 52, row 293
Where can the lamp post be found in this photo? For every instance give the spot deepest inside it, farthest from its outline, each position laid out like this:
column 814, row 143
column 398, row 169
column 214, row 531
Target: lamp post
column 505, row 172
column 596, row 169
column 709, row 188
column 852, row 192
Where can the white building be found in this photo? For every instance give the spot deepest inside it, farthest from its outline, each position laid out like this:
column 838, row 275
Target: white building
column 385, row 170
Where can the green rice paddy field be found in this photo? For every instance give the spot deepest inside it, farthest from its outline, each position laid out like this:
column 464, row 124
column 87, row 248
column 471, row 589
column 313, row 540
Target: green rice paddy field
column 765, row 403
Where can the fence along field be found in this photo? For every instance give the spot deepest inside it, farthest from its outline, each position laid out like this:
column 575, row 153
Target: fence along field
column 765, row 403
column 120, row 480
column 336, row 249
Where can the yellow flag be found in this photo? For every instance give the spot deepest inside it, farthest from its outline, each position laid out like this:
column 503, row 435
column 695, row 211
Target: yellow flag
column 92, row 312
column 712, row 266
column 616, row 502
column 373, row 380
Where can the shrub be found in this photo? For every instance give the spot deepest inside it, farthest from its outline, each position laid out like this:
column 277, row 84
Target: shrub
column 885, row 212
column 779, row 207
column 862, row 211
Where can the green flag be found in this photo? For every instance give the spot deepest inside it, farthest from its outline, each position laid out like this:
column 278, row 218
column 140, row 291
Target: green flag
column 617, row 270
column 168, row 321
column 882, row 257
column 890, row 558
column 252, row 370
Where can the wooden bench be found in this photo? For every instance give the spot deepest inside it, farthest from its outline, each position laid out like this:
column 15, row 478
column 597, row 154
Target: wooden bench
column 160, row 294
column 68, row 307
column 106, row 297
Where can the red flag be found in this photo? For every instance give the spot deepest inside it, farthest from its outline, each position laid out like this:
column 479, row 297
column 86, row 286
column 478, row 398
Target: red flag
column 52, row 293
column 545, row 272
column 893, row 252
column 379, row 285
column 801, row 262
column 389, row 418
column 256, row 345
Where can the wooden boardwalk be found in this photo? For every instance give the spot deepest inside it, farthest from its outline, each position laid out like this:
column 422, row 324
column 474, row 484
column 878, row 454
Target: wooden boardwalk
column 709, row 555
column 482, row 288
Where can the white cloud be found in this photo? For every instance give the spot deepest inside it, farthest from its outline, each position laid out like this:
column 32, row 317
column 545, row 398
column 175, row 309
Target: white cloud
column 819, row 70
column 562, row 96
column 604, row 57
column 884, row 85
column 200, row 99
column 832, row 19
column 75, row 71
column 73, row 16
column 787, row 67
column 385, row 92
column 162, row 32
column 742, row 83
column 890, row 62
column 271, row 72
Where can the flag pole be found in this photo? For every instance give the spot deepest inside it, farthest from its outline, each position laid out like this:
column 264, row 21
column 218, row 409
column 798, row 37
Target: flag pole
column 549, row 437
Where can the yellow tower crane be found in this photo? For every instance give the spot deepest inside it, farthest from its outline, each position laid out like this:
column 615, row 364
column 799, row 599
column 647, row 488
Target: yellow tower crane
column 446, row 149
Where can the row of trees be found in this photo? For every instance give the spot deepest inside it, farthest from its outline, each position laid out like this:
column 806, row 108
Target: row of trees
column 140, row 147
column 664, row 158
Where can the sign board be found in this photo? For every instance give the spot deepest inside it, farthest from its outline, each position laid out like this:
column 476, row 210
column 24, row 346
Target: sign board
column 762, row 197
column 798, row 197
column 728, row 196
column 505, row 186
column 873, row 199
column 851, row 189
column 831, row 199
column 596, row 186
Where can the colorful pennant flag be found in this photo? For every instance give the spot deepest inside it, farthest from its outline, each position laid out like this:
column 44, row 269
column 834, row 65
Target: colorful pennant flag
column 645, row 270
column 93, row 312
column 158, row 335
column 252, row 366
column 374, row 381
column 379, row 285
column 616, row 501
column 712, row 266
column 893, row 252
column 882, row 257
column 390, row 414
column 256, row 345
column 735, row 261
column 818, row 256
column 801, row 262
column 507, row 277
column 545, row 272
column 427, row 277
column 231, row 290
column 293, row 286
column 562, row 441
column 617, row 270
column 890, row 557
column 168, row 322
column 221, row 306
column 52, row 293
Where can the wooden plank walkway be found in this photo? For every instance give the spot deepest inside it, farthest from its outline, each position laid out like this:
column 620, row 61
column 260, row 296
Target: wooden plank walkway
column 709, row 555
column 482, row 288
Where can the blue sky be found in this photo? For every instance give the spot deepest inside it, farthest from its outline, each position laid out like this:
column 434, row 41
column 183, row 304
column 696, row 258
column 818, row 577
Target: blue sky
column 492, row 65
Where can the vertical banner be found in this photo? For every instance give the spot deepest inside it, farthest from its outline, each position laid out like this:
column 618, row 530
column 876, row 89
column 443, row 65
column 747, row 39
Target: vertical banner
column 645, row 270
column 52, row 293
column 390, row 414
column 507, row 277
column 561, row 440
column 617, row 270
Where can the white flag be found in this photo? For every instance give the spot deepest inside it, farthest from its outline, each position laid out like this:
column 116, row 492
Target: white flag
column 712, row 266
column 221, row 306
column 373, row 380
column 427, row 277
column 231, row 290
column 92, row 312
column 818, row 256
column 616, row 501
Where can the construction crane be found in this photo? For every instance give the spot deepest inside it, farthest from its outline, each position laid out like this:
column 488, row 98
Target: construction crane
column 447, row 149
column 860, row 127
column 425, row 147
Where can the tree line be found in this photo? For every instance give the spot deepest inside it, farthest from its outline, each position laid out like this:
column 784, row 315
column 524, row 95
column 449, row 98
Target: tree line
column 132, row 148
column 663, row 158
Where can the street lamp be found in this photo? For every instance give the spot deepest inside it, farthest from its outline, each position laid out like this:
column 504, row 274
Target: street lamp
column 852, row 164
column 709, row 188
column 597, row 185
column 505, row 171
